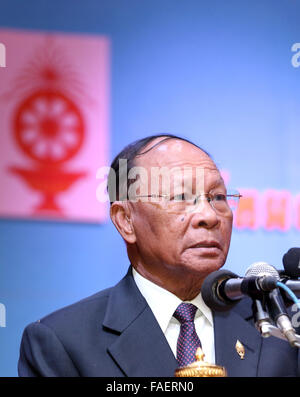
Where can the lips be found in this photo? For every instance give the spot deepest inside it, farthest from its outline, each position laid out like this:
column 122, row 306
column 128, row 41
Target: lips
column 207, row 244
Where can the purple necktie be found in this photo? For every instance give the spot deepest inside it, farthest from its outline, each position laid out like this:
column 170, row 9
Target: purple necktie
column 188, row 340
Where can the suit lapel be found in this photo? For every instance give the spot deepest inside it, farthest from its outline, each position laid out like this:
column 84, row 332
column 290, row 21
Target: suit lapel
column 141, row 348
column 231, row 327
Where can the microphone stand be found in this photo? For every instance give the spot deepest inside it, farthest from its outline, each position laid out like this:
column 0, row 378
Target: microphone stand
column 263, row 322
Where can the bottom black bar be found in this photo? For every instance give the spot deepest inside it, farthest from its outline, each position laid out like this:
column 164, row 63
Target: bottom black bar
column 139, row 386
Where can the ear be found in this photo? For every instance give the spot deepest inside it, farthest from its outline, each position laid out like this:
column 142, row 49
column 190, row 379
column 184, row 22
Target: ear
column 121, row 217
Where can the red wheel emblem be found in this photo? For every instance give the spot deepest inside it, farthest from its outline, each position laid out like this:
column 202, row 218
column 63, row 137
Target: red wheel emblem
column 49, row 127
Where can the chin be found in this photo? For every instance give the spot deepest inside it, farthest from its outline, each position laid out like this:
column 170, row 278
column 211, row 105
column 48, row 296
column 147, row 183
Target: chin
column 204, row 267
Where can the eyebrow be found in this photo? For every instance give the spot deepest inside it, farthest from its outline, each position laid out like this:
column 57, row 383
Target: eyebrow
column 218, row 183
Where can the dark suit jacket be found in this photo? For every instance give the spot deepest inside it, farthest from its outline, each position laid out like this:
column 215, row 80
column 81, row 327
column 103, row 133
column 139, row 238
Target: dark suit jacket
column 114, row 333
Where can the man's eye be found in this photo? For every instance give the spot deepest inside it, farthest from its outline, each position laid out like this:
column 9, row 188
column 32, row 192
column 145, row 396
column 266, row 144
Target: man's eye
column 183, row 197
column 178, row 197
column 219, row 197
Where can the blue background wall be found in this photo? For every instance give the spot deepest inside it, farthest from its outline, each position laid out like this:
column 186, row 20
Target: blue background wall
column 217, row 72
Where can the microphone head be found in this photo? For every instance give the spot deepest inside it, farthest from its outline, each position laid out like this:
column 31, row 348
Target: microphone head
column 210, row 293
column 291, row 262
column 259, row 269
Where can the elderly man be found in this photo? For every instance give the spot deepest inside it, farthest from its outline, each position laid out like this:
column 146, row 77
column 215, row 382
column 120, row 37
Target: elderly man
column 153, row 320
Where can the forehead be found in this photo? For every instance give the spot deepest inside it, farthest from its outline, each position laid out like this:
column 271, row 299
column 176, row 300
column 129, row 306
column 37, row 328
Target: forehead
column 191, row 165
column 176, row 153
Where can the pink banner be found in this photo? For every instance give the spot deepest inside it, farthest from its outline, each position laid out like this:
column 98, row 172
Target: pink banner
column 54, row 97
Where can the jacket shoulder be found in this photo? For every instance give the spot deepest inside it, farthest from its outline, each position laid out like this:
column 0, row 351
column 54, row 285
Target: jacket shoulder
column 79, row 313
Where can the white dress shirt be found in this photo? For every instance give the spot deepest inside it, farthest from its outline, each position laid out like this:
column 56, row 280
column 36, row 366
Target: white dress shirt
column 163, row 304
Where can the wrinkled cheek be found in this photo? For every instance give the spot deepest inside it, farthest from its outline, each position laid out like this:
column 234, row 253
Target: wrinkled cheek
column 226, row 233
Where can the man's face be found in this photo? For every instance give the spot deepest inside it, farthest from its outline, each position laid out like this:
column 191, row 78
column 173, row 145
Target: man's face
column 181, row 244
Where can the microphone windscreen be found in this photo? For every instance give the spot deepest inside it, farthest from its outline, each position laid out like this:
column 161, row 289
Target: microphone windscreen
column 211, row 294
column 260, row 269
column 291, row 262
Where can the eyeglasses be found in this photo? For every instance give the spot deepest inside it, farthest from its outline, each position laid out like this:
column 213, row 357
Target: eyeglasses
column 186, row 203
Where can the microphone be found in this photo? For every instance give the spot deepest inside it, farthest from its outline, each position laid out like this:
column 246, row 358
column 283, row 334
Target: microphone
column 291, row 263
column 274, row 301
column 279, row 315
column 289, row 276
column 222, row 289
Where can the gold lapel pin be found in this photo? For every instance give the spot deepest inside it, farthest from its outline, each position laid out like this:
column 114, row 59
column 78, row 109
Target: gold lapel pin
column 240, row 349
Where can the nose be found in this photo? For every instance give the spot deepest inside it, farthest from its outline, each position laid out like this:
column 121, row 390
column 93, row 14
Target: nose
column 204, row 215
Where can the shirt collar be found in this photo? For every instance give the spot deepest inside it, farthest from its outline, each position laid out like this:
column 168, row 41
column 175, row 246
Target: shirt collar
column 163, row 303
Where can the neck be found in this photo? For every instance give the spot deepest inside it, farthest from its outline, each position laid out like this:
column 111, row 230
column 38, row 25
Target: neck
column 186, row 291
